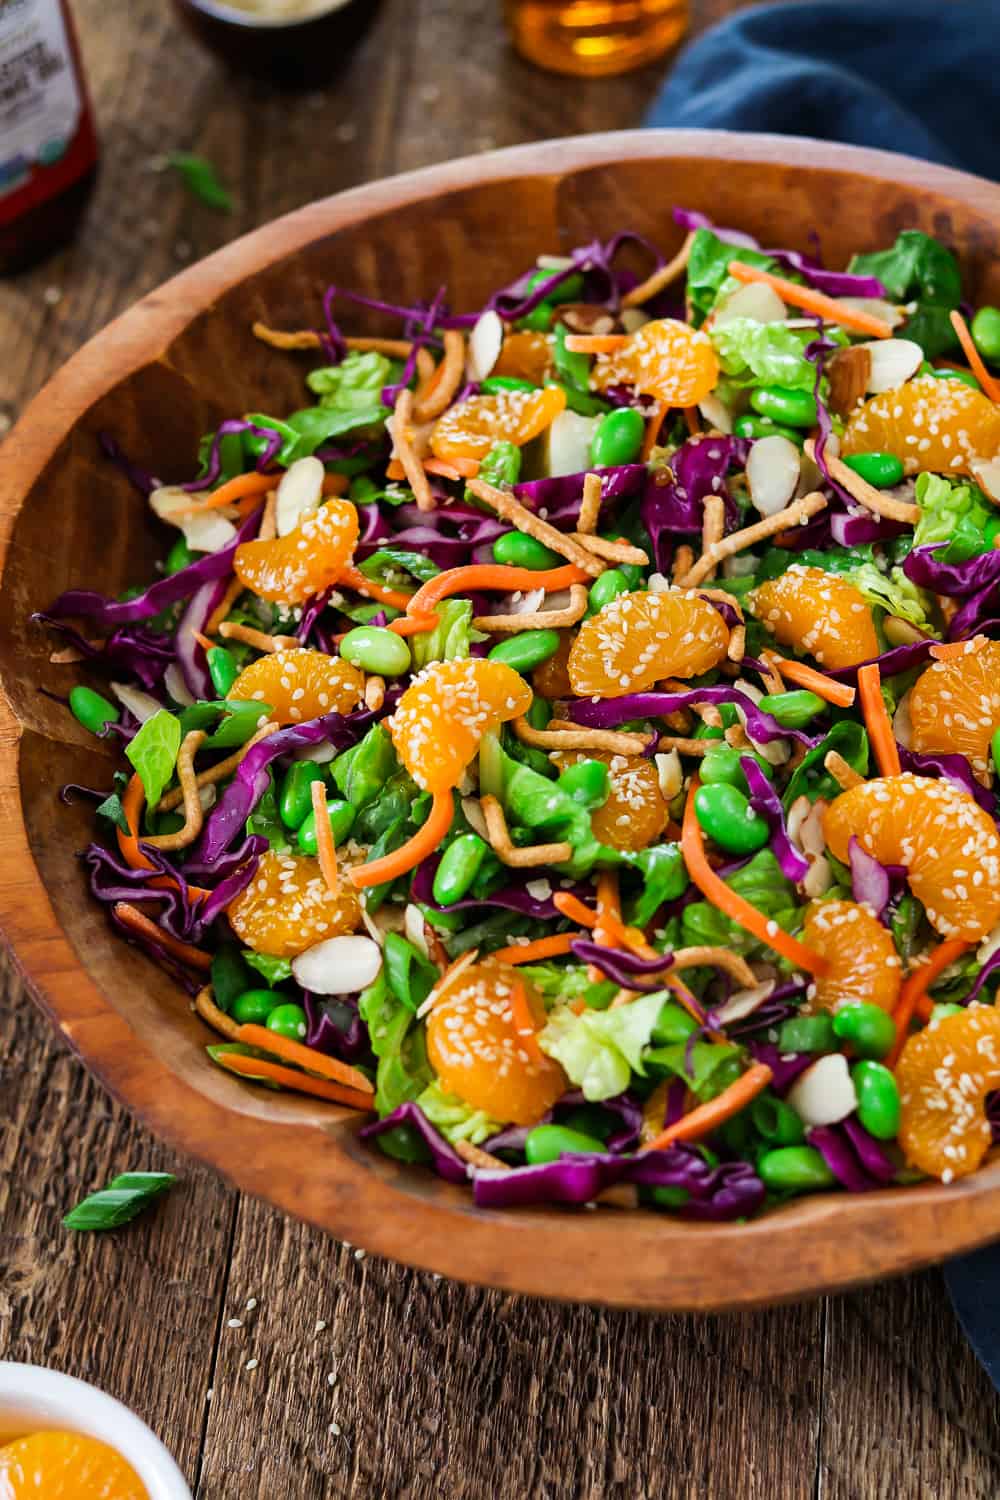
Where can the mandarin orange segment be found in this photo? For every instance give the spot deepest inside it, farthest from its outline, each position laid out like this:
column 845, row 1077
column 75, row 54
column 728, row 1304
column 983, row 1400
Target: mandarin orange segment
column 819, row 613
column 862, row 958
column 288, row 907
column 290, row 569
column 638, row 638
column 525, row 356
column 940, row 425
column 955, row 706
column 300, row 685
column 474, row 1048
column 445, row 712
column 470, row 428
column 944, row 1073
column 664, row 358
column 551, row 679
column 636, row 812
column 52, row 1465
column 948, row 844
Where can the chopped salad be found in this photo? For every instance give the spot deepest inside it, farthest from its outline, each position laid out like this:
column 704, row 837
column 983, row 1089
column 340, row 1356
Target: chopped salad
column 569, row 740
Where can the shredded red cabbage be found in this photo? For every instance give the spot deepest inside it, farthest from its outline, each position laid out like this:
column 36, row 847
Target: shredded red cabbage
column 833, row 283
column 446, row 1160
column 624, row 968
column 765, row 801
column 954, row 768
column 957, row 580
column 559, row 499
column 272, row 440
column 673, row 498
column 870, row 882
column 890, row 663
column 839, row 1157
column 785, row 1066
column 870, row 1152
column 141, row 478
column 143, row 653
column 611, row 712
column 851, row 529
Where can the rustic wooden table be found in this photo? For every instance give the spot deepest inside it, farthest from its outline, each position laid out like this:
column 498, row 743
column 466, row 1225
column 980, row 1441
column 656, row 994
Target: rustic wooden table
column 274, row 1361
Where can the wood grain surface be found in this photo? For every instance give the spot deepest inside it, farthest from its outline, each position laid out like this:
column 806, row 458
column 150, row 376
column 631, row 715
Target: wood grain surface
column 372, row 1381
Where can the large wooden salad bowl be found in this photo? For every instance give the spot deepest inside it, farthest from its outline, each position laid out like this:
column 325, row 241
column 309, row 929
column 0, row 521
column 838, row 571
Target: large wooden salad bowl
column 169, row 370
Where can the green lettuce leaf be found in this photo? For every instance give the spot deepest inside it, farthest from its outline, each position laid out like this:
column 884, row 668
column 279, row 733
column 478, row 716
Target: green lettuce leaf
column 271, row 968
column 455, row 1119
column 389, row 565
column 153, row 753
column 354, row 384
column 753, row 353
column 952, row 511
column 397, row 1041
column 568, row 982
column 600, row 1049
column 760, row 882
column 452, row 637
column 708, row 278
column 919, row 269
column 360, row 773
column 410, row 976
column 811, row 778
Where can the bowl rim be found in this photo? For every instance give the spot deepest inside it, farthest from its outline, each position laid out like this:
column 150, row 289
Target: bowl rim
column 66, row 1401
column 665, row 1260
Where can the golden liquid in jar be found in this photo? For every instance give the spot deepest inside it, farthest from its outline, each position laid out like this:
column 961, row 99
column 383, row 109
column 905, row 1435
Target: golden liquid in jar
column 594, row 36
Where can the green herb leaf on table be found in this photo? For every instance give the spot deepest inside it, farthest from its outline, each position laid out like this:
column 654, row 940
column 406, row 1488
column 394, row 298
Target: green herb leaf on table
column 201, row 179
column 122, row 1200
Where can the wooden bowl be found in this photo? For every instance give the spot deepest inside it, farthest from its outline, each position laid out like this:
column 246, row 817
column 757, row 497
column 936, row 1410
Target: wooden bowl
column 170, row 369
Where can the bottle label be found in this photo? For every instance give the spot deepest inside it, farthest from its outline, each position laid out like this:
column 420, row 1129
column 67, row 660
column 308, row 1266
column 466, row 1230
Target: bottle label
column 40, row 100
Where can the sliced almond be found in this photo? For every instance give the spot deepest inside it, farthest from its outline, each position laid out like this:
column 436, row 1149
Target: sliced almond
column 986, row 473
column 824, row 1093
column 203, row 533
column 485, row 343
column 755, row 300
column 300, row 490
column 716, row 414
column 568, row 441
column 338, row 966
column 669, row 773
column 893, row 362
column 773, row 470
column 632, row 318
column 849, row 371
column 141, row 706
column 877, row 307
column 173, row 681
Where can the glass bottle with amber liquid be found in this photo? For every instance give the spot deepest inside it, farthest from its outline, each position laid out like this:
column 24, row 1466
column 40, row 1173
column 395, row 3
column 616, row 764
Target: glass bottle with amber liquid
column 592, row 37
column 48, row 148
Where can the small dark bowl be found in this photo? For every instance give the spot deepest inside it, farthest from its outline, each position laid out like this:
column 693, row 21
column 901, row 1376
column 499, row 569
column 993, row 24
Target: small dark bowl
column 289, row 53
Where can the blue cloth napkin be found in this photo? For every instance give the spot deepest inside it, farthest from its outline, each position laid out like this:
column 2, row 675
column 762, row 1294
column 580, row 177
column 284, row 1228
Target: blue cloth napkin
column 917, row 76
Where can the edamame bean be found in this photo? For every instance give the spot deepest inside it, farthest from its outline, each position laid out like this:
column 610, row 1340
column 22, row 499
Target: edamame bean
column 986, row 333
column 604, row 589
column 253, row 1007
column 527, row 649
column 179, row 556
column 790, row 407
column 539, row 320
column 572, row 369
column 539, row 713
column 793, row 710
column 776, row 1121
column 459, row 867
column 965, row 376
column 494, row 384
column 569, row 289
column 807, row 1034
column 878, row 1099
column 290, row 1021
column 91, row 709
column 727, row 817
column 994, row 747
column 586, row 782
column 548, row 1142
column 295, row 801
column 341, row 815
column 868, row 1029
column 502, row 464
column 375, row 649
column 617, row 438
column 749, row 426
column 673, row 1024
column 881, row 470
column 222, row 669
column 794, row 1169
column 945, row 1008
column 722, row 763
column 709, row 732
column 517, row 550
column 991, row 531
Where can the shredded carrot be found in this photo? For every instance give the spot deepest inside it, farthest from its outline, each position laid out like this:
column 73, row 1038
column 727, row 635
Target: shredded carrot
column 525, row 1024
column 528, row 953
column 133, row 802
column 413, row 624
column 916, row 985
column 988, row 382
column 948, row 650
column 305, row 1057
column 733, row 905
column 203, row 641
column 596, row 343
column 574, row 910
column 691, row 421
column 827, row 308
column 708, row 1117
column 356, row 580
column 491, row 576
column 877, row 721
column 140, row 923
column 423, row 843
column 228, row 493
column 326, row 849
column 808, row 677
column 455, row 468
column 289, row 1078
column 654, row 423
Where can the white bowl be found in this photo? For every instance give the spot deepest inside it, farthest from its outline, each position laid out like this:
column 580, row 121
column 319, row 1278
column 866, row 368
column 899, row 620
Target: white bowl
column 32, row 1398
